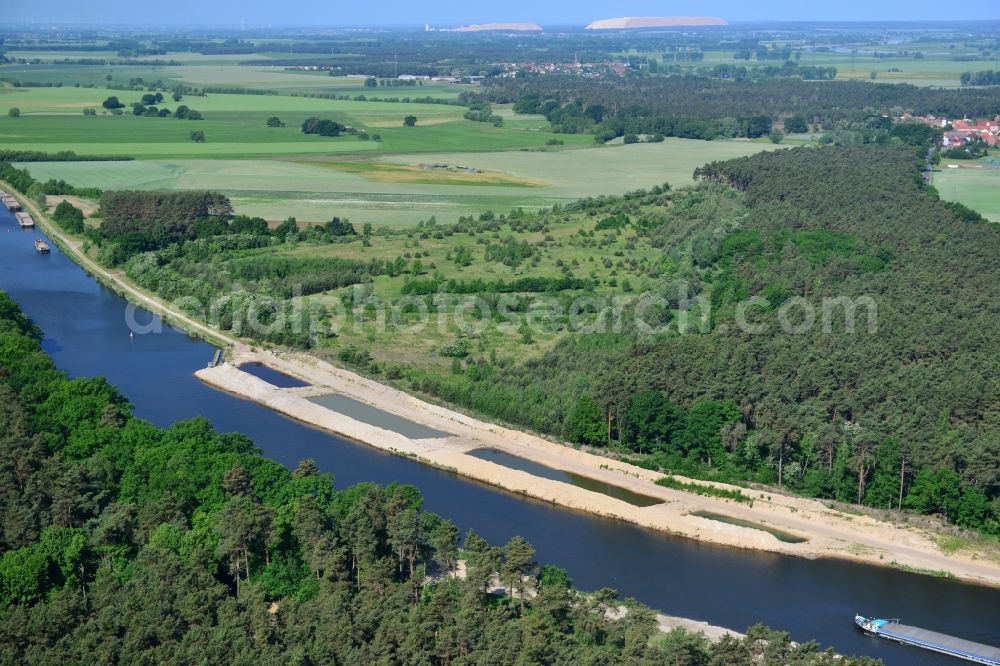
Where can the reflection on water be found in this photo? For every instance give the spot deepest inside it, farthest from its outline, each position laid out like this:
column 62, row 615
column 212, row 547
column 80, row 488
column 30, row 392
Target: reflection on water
column 729, row 520
column 373, row 416
column 272, row 376
column 585, row 482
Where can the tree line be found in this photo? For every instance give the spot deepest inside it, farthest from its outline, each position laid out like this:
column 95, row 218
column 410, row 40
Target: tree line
column 988, row 77
column 61, row 156
column 693, row 107
column 789, row 69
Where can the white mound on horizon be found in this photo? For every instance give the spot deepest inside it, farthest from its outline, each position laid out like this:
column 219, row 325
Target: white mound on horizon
column 634, row 22
column 499, row 26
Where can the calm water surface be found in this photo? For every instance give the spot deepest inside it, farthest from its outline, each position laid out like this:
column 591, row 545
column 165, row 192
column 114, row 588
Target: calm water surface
column 86, row 334
column 544, row 471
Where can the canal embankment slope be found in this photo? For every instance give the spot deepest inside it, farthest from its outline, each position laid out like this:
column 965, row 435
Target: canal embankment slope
column 822, row 530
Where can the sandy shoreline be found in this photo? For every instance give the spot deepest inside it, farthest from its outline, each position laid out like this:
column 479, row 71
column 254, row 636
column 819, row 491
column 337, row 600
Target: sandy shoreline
column 830, row 533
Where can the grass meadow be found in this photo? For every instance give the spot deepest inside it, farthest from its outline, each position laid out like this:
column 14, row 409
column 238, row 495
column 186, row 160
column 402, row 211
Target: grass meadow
column 234, row 126
column 977, row 188
column 316, row 189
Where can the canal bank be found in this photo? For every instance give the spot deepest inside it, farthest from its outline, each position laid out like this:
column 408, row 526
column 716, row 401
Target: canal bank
column 812, row 527
column 86, row 334
column 115, row 280
column 817, row 530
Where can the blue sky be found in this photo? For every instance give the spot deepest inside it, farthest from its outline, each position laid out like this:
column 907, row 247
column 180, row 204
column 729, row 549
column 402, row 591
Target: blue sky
column 414, row 13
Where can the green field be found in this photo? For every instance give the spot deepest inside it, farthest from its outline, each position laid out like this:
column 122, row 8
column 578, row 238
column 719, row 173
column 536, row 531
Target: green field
column 941, row 64
column 73, row 100
column 204, row 71
column 314, row 191
column 301, row 81
column 607, row 169
column 234, row 126
column 933, row 70
column 977, row 188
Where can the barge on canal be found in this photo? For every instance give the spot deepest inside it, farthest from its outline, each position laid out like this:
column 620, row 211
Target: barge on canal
column 9, row 202
column 929, row 640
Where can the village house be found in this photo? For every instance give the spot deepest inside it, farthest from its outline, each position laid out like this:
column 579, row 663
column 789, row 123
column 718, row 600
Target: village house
column 961, row 131
column 964, row 131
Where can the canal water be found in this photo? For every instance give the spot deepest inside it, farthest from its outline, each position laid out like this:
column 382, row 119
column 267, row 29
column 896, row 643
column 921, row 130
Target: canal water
column 86, row 333
column 545, row 472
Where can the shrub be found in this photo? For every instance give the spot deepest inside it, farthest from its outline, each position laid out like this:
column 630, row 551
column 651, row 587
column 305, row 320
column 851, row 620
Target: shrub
column 69, row 217
column 456, row 349
column 322, row 127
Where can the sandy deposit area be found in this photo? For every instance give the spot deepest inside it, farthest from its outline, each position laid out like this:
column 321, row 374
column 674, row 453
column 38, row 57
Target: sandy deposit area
column 829, row 533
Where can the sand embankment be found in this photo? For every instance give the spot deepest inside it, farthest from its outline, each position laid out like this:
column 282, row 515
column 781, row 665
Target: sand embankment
column 828, row 533
column 712, row 632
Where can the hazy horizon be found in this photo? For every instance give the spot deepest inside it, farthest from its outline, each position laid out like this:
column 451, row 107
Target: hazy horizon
column 395, row 14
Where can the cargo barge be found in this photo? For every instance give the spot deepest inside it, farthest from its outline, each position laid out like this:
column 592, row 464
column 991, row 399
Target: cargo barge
column 9, row 202
column 929, row 640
